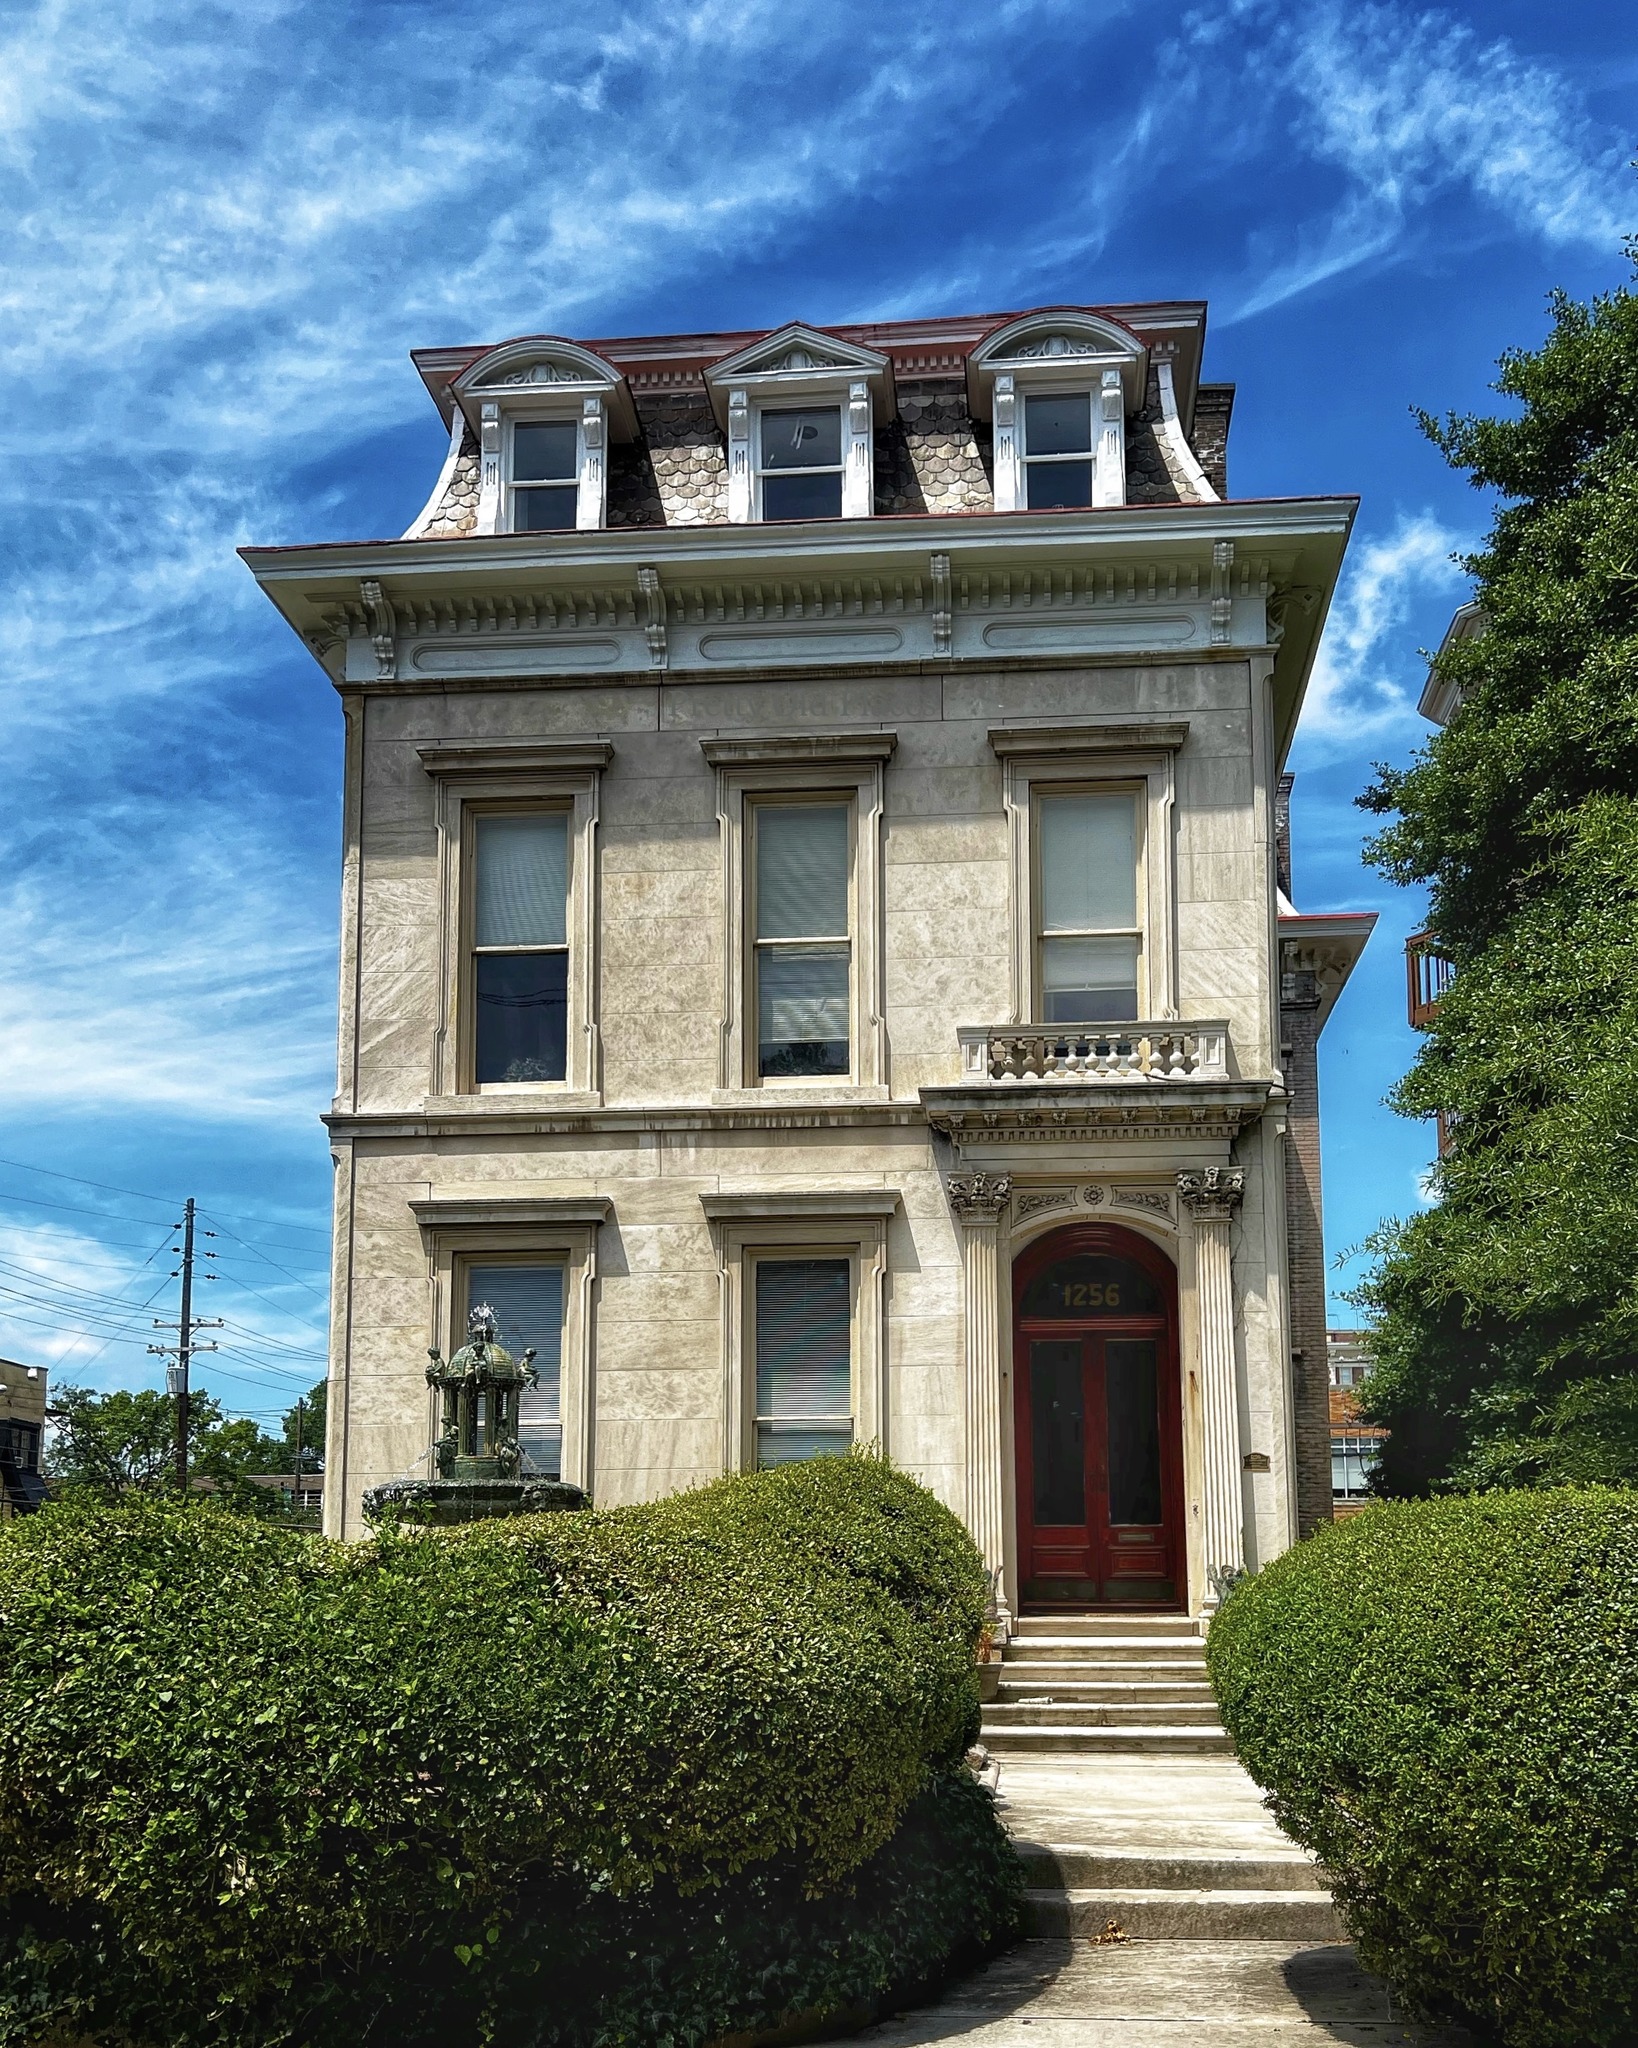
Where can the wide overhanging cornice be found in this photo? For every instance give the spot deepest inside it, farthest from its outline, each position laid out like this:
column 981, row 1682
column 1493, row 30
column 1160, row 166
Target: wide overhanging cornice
column 1183, row 581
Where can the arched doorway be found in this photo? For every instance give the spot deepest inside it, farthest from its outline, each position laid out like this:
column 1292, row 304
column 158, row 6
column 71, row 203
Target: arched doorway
column 1099, row 1433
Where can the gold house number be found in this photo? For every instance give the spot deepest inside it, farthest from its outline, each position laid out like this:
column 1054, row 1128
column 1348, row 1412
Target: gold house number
column 1090, row 1294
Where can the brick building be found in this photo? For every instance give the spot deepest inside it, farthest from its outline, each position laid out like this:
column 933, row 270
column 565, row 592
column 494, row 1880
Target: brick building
column 1355, row 1445
column 817, row 951
column 22, row 1434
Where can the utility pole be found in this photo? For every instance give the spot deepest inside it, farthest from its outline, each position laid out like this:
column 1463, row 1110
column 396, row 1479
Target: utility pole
column 301, row 1419
column 181, row 1352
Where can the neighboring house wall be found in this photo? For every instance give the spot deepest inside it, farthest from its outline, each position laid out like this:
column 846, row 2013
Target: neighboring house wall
column 22, row 1433
column 1355, row 1445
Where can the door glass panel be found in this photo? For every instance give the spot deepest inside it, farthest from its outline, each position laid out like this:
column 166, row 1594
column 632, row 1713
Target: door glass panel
column 1058, row 1425
column 1131, row 1397
column 1092, row 1285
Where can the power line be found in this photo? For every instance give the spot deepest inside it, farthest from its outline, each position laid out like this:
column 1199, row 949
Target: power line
column 142, row 1195
column 266, row 1261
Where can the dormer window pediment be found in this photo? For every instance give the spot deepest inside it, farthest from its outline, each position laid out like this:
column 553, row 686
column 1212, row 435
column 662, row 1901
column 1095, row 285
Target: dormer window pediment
column 799, row 408
column 544, row 411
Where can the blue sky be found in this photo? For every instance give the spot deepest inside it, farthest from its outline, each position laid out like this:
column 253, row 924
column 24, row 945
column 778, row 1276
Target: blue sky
column 224, row 228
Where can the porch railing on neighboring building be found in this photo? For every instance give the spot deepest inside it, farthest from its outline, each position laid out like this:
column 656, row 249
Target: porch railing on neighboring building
column 1139, row 1051
column 1428, row 973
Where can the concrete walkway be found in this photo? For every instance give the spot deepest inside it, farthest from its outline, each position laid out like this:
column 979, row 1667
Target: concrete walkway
column 1230, row 1941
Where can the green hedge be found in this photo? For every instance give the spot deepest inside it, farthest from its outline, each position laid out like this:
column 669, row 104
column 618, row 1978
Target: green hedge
column 1442, row 1699
column 257, row 1788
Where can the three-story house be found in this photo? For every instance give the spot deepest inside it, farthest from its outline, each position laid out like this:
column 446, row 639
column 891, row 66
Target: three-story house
column 816, row 956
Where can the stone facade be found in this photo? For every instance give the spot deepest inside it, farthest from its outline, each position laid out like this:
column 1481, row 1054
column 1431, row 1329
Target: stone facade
column 940, row 671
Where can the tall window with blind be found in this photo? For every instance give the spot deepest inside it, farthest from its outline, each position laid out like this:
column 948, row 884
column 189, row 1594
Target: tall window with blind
column 802, row 945
column 528, row 1305
column 804, row 1358
column 520, row 953
column 1088, row 938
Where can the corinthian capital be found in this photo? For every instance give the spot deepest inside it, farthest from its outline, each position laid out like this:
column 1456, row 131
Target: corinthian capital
column 979, row 1196
column 1212, row 1193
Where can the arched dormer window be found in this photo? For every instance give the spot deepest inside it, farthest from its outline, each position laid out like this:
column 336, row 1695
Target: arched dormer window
column 1058, row 386
column 799, row 409
column 544, row 411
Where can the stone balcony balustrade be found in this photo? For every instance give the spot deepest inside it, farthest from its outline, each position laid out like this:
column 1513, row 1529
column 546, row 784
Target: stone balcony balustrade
column 1155, row 1050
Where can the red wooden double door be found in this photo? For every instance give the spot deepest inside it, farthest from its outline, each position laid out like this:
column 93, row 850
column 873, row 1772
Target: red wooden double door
column 1098, row 1427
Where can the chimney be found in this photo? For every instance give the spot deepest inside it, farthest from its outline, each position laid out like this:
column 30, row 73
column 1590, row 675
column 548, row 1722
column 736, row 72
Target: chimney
column 1282, row 836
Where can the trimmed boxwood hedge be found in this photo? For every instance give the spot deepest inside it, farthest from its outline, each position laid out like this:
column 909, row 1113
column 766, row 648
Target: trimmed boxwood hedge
column 1442, row 1699
column 641, row 1775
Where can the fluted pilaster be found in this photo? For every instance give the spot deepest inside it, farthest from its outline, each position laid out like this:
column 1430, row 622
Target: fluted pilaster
column 978, row 1200
column 1211, row 1196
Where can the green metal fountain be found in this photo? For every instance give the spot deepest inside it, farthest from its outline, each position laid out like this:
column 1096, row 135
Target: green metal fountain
column 477, row 1461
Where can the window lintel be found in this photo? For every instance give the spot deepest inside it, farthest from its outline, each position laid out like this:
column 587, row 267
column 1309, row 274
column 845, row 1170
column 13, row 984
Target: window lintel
column 541, row 1218
column 801, row 750
column 844, row 1205
column 483, row 759
column 1051, row 741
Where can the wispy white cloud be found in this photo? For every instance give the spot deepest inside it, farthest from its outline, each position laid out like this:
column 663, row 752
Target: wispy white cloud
column 225, row 226
column 1368, row 673
column 1410, row 106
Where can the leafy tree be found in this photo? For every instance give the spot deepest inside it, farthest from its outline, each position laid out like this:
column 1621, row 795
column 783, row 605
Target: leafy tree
column 1507, row 1314
column 125, row 1442
column 312, row 1418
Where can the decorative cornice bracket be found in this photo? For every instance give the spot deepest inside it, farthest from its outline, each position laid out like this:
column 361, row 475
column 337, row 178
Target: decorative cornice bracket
column 648, row 583
column 1222, row 600
column 382, row 624
column 942, row 618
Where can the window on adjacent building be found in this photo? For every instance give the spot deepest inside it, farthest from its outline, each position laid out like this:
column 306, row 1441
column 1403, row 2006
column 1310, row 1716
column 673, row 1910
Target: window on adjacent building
column 520, row 967
column 803, row 942
column 1352, row 1461
column 800, row 462
column 1089, row 935
column 804, row 1359
column 545, row 475
column 1058, row 449
column 528, row 1305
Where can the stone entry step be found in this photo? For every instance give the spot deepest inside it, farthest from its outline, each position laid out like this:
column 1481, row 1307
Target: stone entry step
column 1067, row 1866
column 1099, row 1684
column 1029, row 1712
column 1175, row 1627
column 1238, row 1915
column 1085, row 1738
column 1168, row 1848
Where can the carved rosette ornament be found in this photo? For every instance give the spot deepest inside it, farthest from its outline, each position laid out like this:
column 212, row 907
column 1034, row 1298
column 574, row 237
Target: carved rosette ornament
column 1213, row 1193
column 979, row 1197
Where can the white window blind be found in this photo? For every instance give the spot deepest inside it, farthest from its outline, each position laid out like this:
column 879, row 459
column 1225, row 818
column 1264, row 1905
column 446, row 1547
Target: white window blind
column 801, row 871
column 1088, row 863
column 523, row 873
column 804, row 1376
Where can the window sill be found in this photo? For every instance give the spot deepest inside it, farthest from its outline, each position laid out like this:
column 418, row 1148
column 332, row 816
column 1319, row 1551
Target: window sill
column 501, row 1096
column 799, row 1094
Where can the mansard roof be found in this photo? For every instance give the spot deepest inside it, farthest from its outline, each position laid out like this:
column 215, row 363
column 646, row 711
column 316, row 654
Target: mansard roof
column 653, row 364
